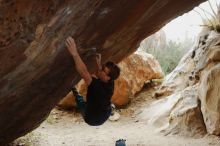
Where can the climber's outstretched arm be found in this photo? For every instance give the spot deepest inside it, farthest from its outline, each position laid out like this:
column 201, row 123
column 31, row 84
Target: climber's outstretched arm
column 80, row 65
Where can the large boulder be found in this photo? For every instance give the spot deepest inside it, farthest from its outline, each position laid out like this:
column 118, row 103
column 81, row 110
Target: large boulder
column 36, row 70
column 138, row 68
column 196, row 82
column 135, row 71
column 209, row 92
column 178, row 113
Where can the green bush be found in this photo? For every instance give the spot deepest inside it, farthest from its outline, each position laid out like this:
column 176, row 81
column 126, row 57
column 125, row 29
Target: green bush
column 169, row 56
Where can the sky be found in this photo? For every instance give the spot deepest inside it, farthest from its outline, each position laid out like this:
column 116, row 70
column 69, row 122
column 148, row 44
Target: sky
column 188, row 23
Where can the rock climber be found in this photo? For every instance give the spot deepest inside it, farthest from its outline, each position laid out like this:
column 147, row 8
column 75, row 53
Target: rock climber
column 97, row 107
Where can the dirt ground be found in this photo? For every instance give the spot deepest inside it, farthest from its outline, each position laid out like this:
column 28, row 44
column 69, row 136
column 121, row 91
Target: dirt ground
column 67, row 128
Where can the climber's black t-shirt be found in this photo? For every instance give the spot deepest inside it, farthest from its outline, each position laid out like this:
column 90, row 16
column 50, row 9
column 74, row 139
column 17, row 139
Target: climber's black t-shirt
column 98, row 97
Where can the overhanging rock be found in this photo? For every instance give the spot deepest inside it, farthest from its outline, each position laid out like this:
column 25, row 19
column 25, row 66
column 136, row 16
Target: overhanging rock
column 35, row 68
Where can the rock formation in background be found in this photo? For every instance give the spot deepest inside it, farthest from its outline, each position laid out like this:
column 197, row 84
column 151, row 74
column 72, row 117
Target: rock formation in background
column 36, row 70
column 135, row 71
column 155, row 41
column 193, row 104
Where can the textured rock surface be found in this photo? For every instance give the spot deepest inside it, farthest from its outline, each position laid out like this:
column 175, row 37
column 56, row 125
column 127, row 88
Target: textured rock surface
column 187, row 72
column 138, row 68
column 186, row 117
column 209, row 91
column 135, row 71
column 36, row 69
column 196, row 80
column 122, row 93
column 177, row 114
column 178, row 79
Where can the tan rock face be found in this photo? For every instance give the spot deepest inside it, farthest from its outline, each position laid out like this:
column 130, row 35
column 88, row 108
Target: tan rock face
column 178, row 113
column 196, row 82
column 209, row 91
column 138, row 68
column 35, row 69
column 186, row 117
column 135, row 70
column 122, row 93
column 178, row 79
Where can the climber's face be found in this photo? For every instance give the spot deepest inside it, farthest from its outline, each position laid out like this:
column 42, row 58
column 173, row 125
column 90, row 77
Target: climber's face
column 103, row 74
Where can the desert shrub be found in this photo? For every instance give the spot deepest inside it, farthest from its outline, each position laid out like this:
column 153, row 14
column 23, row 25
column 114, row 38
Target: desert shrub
column 210, row 19
column 170, row 55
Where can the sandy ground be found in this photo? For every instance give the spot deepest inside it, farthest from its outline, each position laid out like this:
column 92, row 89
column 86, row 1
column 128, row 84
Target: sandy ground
column 68, row 129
